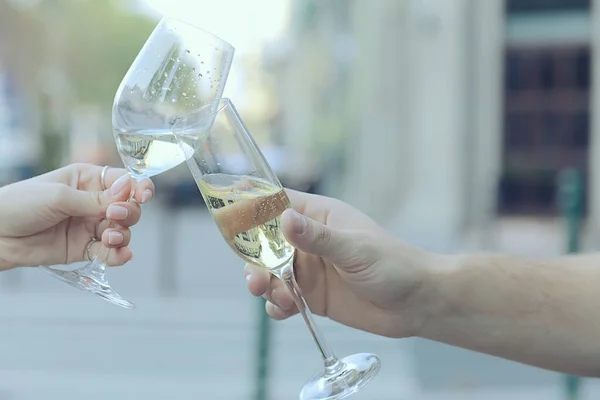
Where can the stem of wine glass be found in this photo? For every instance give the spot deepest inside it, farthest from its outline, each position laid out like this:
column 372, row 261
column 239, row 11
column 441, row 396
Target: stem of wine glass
column 286, row 274
column 97, row 268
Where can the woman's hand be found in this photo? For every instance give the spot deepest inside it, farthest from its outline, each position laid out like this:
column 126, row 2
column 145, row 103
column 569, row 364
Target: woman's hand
column 51, row 218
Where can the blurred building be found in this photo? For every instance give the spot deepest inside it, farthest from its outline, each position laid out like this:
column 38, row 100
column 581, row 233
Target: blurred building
column 19, row 147
column 448, row 121
column 438, row 118
column 442, row 117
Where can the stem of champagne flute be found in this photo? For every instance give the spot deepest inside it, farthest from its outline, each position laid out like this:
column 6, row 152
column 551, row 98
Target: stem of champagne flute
column 286, row 274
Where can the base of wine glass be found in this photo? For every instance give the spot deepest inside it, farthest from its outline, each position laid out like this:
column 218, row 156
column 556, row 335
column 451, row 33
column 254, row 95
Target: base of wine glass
column 356, row 372
column 89, row 284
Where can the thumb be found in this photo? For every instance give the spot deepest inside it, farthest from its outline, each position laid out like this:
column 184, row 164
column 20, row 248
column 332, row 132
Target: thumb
column 313, row 237
column 80, row 203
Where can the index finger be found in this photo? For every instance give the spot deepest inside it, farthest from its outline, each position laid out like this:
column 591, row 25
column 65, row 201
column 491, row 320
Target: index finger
column 312, row 205
column 143, row 190
column 111, row 175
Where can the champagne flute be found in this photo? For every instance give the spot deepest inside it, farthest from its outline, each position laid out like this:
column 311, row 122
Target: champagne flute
column 246, row 200
column 179, row 68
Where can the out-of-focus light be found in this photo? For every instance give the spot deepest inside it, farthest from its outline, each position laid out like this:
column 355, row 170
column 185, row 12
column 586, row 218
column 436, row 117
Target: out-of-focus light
column 23, row 4
column 245, row 24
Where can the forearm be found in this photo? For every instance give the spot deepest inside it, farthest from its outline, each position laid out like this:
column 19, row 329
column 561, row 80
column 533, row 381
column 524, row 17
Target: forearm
column 543, row 313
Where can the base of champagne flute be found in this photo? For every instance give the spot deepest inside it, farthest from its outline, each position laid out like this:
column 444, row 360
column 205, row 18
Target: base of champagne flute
column 356, row 372
column 99, row 287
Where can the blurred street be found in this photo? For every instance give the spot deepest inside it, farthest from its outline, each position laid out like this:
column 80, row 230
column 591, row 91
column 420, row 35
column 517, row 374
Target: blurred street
column 198, row 343
column 196, row 337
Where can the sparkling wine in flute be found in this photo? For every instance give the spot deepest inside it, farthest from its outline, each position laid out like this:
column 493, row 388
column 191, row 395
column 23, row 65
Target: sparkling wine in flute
column 246, row 201
column 247, row 211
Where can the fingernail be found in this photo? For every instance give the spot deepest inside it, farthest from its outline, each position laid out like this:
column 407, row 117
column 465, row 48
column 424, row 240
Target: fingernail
column 299, row 223
column 248, row 277
column 147, row 196
column 119, row 185
column 117, row 213
column 115, row 238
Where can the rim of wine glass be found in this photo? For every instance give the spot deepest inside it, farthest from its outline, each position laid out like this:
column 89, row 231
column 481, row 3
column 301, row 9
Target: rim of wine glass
column 223, row 103
column 223, row 42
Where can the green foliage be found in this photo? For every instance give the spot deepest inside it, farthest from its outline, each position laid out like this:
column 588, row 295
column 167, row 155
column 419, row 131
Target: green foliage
column 102, row 39
column 53, row 143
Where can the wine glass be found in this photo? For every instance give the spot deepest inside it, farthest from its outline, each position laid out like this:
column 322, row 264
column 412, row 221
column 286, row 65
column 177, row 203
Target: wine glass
column 246, row 200
column 180, row 68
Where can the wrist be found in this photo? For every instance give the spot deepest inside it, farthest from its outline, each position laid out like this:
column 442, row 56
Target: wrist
column 435, row 298
column 417, row 281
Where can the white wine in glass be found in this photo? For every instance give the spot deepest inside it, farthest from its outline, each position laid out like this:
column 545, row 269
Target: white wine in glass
column 180, row 68
column 246, row 200
column 149, row 152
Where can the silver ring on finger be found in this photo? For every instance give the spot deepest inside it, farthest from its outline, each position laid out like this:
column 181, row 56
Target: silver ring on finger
column 88, row 247
column 103, row 177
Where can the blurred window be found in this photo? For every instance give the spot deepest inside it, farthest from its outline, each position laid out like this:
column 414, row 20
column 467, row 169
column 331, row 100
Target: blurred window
column 527, row 6
column 546, row 123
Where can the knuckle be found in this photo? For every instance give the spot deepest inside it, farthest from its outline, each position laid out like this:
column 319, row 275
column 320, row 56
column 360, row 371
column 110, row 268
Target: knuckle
column 364, row 246
column 323, row 236
column 135, row 210
column 147, row 183
column 82, row 170
column 102, row 227
column 79, row 166
column 96, row 198
column 76, row 168
column 112, row 260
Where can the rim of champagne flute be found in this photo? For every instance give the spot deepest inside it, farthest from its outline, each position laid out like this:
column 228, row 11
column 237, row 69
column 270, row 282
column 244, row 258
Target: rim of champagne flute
column 181, row 126
column 224, row 43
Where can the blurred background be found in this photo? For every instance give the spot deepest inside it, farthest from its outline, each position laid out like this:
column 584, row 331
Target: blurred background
column 460, row 125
